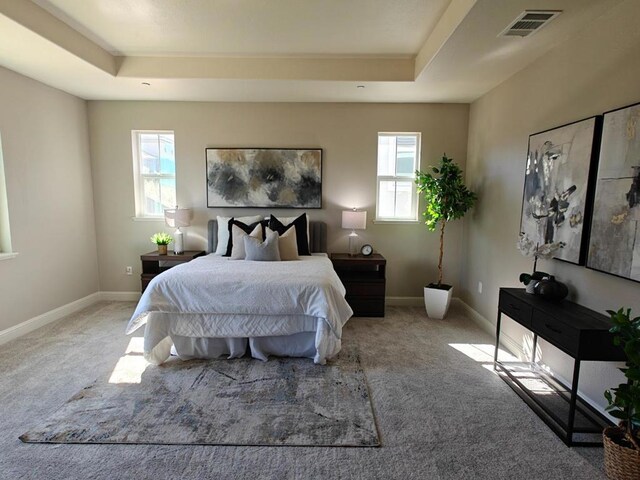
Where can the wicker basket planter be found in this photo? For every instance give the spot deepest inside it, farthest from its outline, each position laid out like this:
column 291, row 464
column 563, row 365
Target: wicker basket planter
column 620, row 462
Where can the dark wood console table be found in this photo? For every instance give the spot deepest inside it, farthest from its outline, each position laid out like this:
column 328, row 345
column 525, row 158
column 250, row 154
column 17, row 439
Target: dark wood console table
column 579, row 332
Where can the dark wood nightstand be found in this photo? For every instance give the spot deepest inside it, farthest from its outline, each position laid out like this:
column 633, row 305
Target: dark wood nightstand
column 364, row 279
column 153, row 263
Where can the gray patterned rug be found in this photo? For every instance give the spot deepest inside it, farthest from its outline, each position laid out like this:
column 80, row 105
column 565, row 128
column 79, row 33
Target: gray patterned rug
column 284, row 401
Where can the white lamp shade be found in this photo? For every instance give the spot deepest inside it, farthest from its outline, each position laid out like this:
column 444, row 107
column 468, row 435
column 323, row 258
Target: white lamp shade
column 178, row 217
column 354, row 220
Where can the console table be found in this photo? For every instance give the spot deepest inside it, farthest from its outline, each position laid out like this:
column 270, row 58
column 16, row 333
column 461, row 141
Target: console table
column 579, row 332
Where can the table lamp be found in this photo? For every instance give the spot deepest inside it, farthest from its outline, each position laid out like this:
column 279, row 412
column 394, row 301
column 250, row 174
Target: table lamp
column 177, row 218
column 354, row 220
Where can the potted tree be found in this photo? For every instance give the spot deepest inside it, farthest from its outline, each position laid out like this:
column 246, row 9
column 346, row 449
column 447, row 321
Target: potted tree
column 622, row 443
column 161, row 240
column 446, row 198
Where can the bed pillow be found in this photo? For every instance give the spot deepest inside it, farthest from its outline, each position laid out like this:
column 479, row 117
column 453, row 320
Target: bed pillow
column 259, row 251
column 300, row 224
column 287, row 244
column 223, row 231
column 238, row 231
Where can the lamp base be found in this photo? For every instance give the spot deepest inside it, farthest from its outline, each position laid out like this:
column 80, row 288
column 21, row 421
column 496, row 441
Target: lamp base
column 178, row 242
column 352, row 244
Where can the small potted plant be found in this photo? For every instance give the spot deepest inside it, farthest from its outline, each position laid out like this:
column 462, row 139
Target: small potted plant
column 622, row 443
column 161, row 240
column 446, row 199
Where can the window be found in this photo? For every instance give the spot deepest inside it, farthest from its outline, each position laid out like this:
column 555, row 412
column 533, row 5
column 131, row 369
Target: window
column 398, row 160
column 5, row 232
column 154, row 171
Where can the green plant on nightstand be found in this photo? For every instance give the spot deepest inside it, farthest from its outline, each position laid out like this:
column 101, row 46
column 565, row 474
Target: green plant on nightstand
column 161, row 239
column 622, row 443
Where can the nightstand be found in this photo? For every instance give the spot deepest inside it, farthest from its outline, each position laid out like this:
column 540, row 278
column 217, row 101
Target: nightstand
column 364, row 280
column 153, row 263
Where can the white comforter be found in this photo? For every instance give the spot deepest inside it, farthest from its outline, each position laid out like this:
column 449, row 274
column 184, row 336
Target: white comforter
column 238, row 298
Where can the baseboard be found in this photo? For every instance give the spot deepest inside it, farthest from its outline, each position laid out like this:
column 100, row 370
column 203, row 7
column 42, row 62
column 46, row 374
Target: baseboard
column 34, row 323
column 404, row 301
column 120, row 296
column 506, row 341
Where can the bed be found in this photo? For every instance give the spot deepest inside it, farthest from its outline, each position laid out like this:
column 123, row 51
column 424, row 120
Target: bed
column 213, row 306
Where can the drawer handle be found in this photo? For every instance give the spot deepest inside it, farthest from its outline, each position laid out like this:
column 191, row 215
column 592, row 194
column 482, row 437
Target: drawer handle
column 552, row 328
column 514, row 306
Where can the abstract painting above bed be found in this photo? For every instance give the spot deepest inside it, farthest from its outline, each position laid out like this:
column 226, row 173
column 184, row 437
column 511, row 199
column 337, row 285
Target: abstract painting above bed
column 264, row 177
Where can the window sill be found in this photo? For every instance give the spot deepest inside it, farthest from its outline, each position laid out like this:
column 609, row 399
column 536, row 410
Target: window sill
column 8, row 256
column 382, row 222
column 147, row 219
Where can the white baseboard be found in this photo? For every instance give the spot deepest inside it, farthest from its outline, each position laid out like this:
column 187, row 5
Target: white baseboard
column 34, row 323
column 506, row 341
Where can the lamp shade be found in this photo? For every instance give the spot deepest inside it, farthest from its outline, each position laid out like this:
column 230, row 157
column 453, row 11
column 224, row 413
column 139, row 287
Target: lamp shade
column 178, row 217
column 354, row 220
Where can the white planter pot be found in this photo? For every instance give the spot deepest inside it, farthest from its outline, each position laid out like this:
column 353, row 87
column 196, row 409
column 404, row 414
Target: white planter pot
column 437, row 301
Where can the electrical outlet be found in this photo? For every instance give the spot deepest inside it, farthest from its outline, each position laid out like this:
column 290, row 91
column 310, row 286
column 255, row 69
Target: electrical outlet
column 479, row 287
column 129, row 270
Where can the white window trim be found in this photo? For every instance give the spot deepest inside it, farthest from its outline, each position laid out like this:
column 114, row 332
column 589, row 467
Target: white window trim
column 397, row 220
column 138, row 178
column 6, row 252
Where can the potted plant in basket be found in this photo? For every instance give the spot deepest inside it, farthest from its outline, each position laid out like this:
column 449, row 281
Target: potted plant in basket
column 161, row 240
column 622, row 443
column 446, row 198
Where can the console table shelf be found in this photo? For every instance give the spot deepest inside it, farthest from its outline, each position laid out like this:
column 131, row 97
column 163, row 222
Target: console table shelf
column 580, row 333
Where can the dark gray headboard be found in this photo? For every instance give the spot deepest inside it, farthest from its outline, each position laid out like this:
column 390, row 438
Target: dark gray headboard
column 317, row 236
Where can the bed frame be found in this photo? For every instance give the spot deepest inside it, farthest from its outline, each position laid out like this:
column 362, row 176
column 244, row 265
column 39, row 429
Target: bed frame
column 317, row 236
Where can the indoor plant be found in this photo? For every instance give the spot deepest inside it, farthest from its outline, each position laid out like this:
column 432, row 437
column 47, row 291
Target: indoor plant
column 446, row 198
column 162, row 240
column 622, row 443
column 530, row 249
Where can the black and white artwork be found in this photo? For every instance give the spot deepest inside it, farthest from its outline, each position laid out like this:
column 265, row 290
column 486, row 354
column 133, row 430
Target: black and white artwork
column 614, row 245
column 264, row 177
column 557, row 190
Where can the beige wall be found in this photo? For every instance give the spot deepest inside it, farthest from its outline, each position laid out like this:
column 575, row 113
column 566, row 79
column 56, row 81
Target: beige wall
column 45, row 146
column 592, row 73
column 346, row 132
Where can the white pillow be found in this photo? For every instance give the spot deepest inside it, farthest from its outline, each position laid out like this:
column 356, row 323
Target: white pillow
column 287, row 244
column 223, row 230
column 237, row 251
column 289, row 220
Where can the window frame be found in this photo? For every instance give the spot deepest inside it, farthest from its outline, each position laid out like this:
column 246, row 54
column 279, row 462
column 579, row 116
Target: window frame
column 380, row 178
column 139, row 178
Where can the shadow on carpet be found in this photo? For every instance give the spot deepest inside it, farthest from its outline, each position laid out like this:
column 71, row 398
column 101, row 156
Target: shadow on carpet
column 283, row 402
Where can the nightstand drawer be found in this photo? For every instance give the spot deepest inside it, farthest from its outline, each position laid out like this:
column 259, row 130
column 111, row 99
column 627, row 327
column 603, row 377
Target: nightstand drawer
column 557, row 333
column 516, row 309
column 364, row 306
column 364, row 288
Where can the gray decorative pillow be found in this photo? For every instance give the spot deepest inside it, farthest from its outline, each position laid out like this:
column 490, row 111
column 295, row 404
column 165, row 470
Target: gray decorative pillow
column 266, row 251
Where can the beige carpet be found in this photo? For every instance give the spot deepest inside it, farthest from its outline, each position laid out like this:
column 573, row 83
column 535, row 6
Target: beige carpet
column 441, row 412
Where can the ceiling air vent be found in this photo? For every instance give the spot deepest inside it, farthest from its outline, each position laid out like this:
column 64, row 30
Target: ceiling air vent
column 528, row 22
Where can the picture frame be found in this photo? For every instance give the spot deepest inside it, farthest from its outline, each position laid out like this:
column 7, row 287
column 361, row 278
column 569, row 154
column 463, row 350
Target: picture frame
column 614, row 242
column 264, row 177
column 558, row 187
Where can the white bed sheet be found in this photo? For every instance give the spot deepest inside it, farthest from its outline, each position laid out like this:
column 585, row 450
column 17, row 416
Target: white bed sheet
column 214, row 296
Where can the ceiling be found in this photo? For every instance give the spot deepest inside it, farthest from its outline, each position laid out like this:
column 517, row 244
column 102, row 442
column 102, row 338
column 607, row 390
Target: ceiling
column 279, row 50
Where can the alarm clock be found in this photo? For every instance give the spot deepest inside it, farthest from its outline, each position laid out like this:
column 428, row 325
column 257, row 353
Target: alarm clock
column 366, row 250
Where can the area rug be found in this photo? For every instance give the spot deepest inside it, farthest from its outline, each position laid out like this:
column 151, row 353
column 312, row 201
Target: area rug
column 284, row 401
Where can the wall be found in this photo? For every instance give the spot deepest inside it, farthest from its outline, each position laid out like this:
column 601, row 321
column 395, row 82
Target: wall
column 596, row 71
column 45, row 144
column 346, row 132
